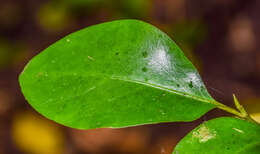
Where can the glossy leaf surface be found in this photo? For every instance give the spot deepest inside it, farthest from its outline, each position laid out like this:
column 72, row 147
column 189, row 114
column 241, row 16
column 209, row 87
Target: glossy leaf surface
column 115, row 74
column 222, row 135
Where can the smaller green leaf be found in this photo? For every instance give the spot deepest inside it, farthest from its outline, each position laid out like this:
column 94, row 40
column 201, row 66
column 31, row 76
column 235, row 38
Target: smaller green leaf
column 224, row 135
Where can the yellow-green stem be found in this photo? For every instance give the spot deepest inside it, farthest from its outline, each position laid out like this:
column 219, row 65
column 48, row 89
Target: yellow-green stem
column 228, row 109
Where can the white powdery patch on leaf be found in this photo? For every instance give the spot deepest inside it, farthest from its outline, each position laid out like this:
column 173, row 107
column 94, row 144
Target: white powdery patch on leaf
column 204, row 134
column 160, row 61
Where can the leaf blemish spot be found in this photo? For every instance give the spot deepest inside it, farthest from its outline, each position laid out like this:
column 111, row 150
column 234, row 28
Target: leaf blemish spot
column 162, row 112
column 145, row 54
column 204, row 134
column 91, row 58
column 144, row 69
column 238, row 130
column 39, row 74
column 191, row 84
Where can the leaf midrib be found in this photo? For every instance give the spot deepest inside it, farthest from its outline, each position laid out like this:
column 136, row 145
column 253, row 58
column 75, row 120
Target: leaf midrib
column 166, row 89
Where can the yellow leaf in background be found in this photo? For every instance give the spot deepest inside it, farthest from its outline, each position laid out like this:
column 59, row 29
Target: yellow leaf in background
column 53, row 17
column 35, row 135
column 252, row 106
column 256, row 116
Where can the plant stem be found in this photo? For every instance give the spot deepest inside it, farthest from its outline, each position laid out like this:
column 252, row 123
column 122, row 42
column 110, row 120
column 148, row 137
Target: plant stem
column 239, row 106
column 229, row 109
column 241, row 113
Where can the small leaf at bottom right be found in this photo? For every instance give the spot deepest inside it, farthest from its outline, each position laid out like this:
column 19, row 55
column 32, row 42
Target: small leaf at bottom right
column 225, row 135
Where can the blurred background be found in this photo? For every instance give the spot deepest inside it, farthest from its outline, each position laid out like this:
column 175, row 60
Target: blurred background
column 219, row 36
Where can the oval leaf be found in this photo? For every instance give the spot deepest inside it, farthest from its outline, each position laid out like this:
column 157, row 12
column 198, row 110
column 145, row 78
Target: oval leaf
column 224, row 135
column 116, row 74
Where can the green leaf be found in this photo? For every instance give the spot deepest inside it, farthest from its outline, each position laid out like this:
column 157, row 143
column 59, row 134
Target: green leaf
column 224, row 135
column 115, row 74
